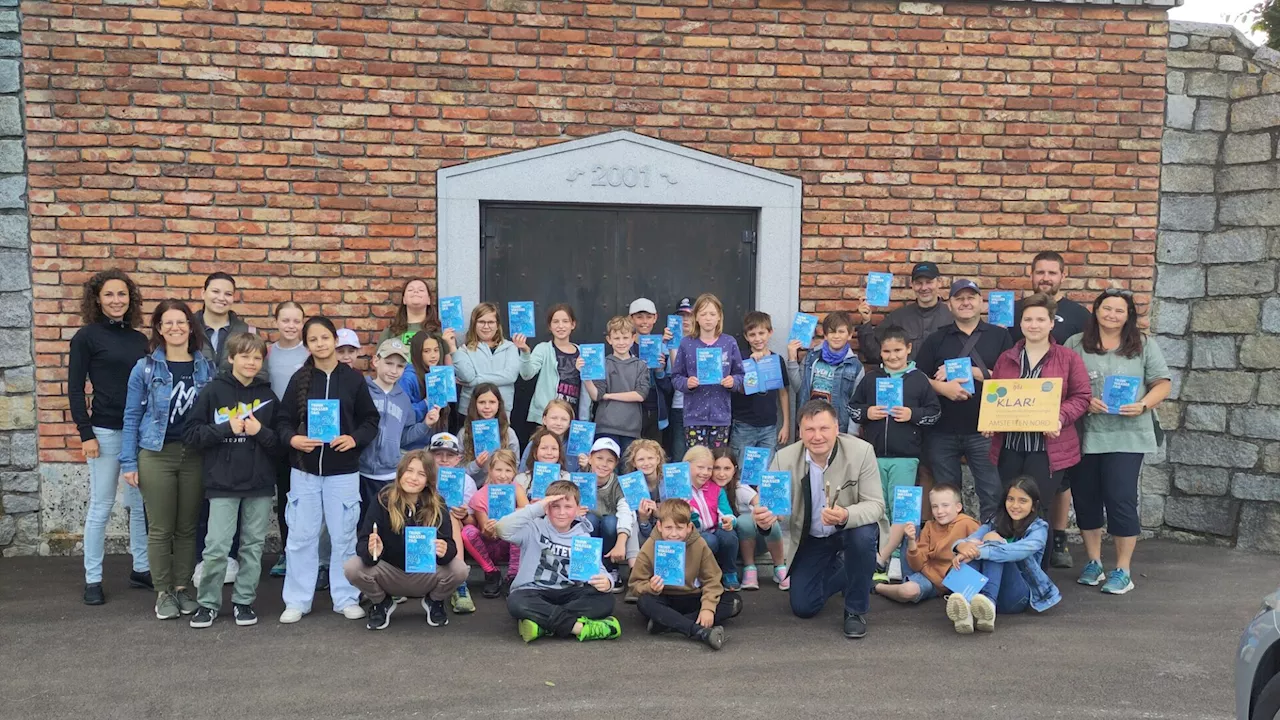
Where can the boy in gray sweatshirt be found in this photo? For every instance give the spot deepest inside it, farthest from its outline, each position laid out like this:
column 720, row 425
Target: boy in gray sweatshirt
column 619, row 398
column 397, row 428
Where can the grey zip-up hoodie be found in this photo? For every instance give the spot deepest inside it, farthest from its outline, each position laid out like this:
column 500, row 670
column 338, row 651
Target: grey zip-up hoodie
column 544, row 551
column 396, row 429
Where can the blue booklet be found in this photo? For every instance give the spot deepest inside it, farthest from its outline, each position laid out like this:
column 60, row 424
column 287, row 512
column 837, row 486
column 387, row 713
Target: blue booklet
column 592, row 361
column 634, row 488
column 324, row 420
column 450, row 381
column 581, row 435
column 484, row 436
column 543, row 475
column 584, row 558
column 668, row 562
column 676, row 481
column 965, row 580
column 906, row 505
column 879, row 286
column 520, row 319
column 675, row 323
column 770, row 368
column 803, row 326
column 450, row 483
column 775, row 492
column 419, row 549
column 437, row 393
column 1120, row 390
column 755, row 460
column 502, row 501
column 889, row 392
column 960, row 369
column 751, row 378
column 651, row 350
column 586, row 483
column 710, row 366
column 451, row 316
column 1000, row 308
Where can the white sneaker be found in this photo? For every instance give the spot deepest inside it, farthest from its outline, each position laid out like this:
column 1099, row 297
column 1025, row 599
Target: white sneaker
column 233, row 569
column 353, row 611
column 197, row 574
column 895, row 570
column 290, row 616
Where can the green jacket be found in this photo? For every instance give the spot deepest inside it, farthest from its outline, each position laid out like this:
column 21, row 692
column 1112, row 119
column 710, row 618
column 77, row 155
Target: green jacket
column 541, row 362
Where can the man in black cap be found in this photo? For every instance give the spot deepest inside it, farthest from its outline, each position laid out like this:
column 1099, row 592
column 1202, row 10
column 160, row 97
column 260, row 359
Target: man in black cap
column 919, row 319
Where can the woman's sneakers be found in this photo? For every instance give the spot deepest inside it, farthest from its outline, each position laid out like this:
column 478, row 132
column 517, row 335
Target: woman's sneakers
column 1118, row 583
column 984, row 613
column 461, row 601
column 380, row 614
column 187, row 605
column 750, row 578
column 290, row 616
column 1092, row 574
column 782, row 577
column 167, row 607
column 959, row 613
column 492, row 584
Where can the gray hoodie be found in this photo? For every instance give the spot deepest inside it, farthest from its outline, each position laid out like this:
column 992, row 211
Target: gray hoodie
column 544, row 551
column 396, row 430
column 614, row 417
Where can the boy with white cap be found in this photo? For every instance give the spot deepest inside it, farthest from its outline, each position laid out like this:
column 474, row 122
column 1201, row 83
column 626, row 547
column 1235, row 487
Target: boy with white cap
column 612, row 519
column 349, row 348
column 446, row 450
column 656, row 408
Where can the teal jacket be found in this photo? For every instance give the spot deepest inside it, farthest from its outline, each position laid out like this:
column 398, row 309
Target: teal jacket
column 542, row 363
column 485, row 365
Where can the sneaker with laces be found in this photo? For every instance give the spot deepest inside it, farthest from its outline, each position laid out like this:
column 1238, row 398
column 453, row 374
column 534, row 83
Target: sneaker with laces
column 461, row 601
column 604, row 629
column 492, row 587
column 353, row 612
column 855, row 626
column 1092, row 574
column 750, row 578
column 984, row 613
column 1060, row 557
column 731, row 583
column 322, row 579
column 436, row 615
column 279, row 568
column 290, row 616
column 782, row 577
column 167, row 606
column 380, row 614
column 203, row 617
column 187, row 605
column 1118, row 582
column 244, row 615
column 530, row 630
column 233, row 569
column 959, row 613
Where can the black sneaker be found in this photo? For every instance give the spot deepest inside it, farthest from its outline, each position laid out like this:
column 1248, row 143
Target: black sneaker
column 855, row 626
column 141, row 580
column 436, row 616
column 93, row 594
column 322, row 579
column 203, row 617
column 492, row 585
column 380, row 614
column 654, row 628
column 244, row 615
column 1061, row 558
column 712, row 638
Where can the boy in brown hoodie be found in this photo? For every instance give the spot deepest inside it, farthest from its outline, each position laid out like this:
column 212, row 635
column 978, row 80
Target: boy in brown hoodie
column 930, row 557
column 697, row 608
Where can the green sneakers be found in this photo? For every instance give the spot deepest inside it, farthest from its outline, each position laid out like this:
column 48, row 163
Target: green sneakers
column 530, row 630
column 1092, row 574
column 606, row 629
column 1118, row 583
column 461, row 600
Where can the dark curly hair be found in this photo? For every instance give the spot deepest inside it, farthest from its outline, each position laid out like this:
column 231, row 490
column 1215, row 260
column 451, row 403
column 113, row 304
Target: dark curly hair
column 91, row 308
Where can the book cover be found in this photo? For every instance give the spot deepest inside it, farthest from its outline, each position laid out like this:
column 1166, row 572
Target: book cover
column 324, row 419
column 907, row 500
column 879, row 288
column 450, row 483
column 520, row 320
column 710, row 366
column 675, row 323
column 451, row 317
column 751, row 378
column 581, row 435
column 668, row 562
column 584, row 558
column 1120, row 390
column 755, row 460
column 803, row 326
column 634, row 488
column 961, row 369
column 543, row 475
column 437, row 394
column 484, row 436
column 775, row 492
column 502, row 501
column 586, row 483
column 770, row 369
column 1000, row 308
column 965, row 580
column 449, row 379
column 676, row 481
column 592, row 361
column 889, row 392
column 419, row 549
column 651, row 351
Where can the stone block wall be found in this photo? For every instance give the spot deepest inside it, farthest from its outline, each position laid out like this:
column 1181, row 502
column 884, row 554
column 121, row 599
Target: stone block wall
column 1217, row 313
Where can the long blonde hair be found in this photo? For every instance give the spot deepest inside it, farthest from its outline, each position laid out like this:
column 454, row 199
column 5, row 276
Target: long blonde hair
column 427, row 507
column 629, row 462
column 477, row 312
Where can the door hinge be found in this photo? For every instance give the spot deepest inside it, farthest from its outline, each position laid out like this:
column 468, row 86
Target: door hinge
column 749, row 236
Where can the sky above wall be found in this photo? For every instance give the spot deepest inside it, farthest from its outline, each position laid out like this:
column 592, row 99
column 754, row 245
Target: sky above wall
column 1218, row 11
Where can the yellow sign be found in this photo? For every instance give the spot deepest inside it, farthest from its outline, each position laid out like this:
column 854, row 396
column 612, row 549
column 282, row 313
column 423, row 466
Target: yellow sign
column 1020, row 405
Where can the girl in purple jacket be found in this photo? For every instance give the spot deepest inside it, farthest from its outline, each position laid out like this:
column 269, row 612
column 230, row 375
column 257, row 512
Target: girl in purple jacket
column 707, row 408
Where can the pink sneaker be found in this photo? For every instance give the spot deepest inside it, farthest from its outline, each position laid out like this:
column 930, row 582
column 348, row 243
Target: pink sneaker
column 781, row 577
column 750, row 578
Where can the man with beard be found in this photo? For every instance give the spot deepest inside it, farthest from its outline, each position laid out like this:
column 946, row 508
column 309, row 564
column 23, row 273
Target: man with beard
column 919, row 319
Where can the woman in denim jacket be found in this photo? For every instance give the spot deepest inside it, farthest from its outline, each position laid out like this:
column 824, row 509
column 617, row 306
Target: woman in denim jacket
column 163, row 387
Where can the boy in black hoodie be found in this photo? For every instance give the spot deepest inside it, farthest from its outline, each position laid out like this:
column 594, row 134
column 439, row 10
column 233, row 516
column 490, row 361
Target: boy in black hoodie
column 233, row 424
column 895, row 432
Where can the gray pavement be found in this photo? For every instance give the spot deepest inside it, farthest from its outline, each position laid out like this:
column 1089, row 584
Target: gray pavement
column 1163, row 651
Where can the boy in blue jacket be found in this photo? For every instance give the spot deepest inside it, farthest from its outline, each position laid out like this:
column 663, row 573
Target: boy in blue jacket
column 397, row 429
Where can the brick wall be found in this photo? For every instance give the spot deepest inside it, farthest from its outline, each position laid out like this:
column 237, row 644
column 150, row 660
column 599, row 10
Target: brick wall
column 295, row 144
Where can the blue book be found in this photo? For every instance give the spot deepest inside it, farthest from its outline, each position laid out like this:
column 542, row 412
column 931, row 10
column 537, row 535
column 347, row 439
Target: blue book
column 879, row 286
column 584, row 558
column 484, row 436
column 520, row 319
column 906, row 505
column 676, row 481
column 419, row 549
column 755, row 460
column 710, row 366
column 965, row 580
column 634, row 488
column 449, row 379
column 592, row 361
column 751, row 378
column 1120, row 390
column 803, row 326
column 775, row 492
column 543, row 475
column 675, row 323
column 1000, row 308
column 451, row 315
column 502, row 501
column 581, row 435
column 437, row 393
column 770, row 368
column 586, row 483
column 651, row 350
column 324, row 420
column 889, row 392
column 450, row 483
column 668, row 562
column 960, row 369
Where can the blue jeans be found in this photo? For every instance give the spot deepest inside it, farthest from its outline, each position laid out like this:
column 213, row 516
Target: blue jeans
column 315, row 501
column 927, row 590
column 605, row 528
column 945, row 451
column 745, row 436
column 724, row 545
column 104, row 478
column 1005, row 586
column 817, row 571
column 745, row 527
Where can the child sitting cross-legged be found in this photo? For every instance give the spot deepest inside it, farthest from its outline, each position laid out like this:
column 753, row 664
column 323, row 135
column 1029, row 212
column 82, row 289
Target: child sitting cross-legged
column 929, row 556
column 481, row 539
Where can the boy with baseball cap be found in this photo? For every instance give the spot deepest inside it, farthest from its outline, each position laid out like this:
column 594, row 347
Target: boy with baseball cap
column 397, row 428
column 612, row 519
column 446, row 450
column 348, row 348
